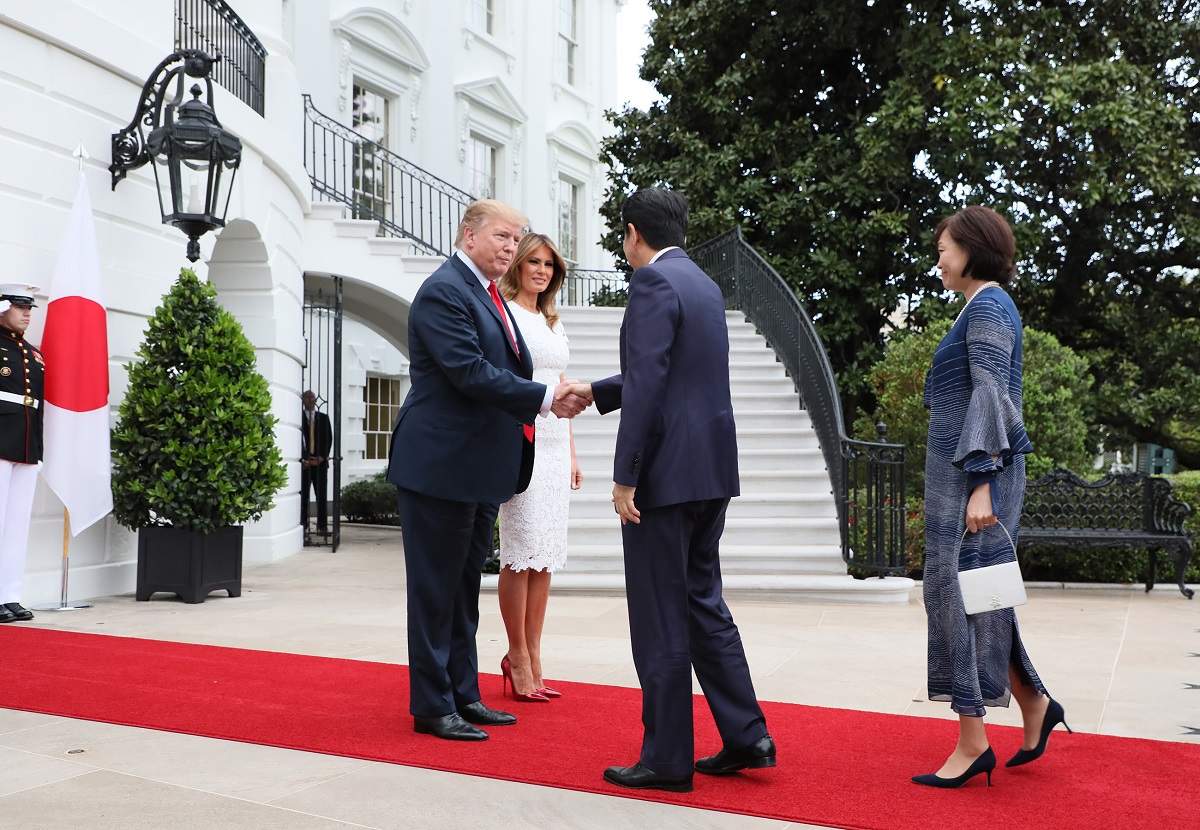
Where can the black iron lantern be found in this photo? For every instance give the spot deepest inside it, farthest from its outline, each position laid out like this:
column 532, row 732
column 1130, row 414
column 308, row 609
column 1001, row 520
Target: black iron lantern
column 195, row 159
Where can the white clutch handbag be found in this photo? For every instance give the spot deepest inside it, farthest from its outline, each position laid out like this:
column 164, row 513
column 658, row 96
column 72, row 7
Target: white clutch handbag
column 993, row 587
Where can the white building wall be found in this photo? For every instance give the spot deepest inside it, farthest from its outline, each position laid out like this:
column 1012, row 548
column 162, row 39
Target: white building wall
column 72, row 72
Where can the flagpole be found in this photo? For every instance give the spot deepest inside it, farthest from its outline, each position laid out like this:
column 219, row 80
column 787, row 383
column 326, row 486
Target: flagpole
column 66, row 565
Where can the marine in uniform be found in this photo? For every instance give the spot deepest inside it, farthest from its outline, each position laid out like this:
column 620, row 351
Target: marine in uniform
column 22, row 381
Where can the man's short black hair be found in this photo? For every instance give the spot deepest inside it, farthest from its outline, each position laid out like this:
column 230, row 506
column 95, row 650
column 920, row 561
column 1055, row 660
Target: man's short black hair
column 660, row 216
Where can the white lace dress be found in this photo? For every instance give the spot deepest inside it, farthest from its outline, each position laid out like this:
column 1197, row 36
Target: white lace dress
column 533, row 524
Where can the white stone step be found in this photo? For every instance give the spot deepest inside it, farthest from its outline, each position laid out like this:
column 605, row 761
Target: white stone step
column 591, row 420
column 749, row 459
column 390, row 246
column 356, row 228
column 596, row 503
column 791, row 439
column 735, row 559
column 823, row 588
column 597, row 352
column 328, row 211
column 739, row 530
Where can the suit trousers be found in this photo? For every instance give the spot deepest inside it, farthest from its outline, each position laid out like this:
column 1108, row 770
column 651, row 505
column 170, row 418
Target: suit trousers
column 445, row 546
column 17, row 485
column 678, row 621
column 315, row 478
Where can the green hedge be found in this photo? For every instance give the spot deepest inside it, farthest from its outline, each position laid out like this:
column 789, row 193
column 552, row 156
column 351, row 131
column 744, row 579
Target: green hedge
column 372, row 501
column 1098, row 565
column 1056, row 384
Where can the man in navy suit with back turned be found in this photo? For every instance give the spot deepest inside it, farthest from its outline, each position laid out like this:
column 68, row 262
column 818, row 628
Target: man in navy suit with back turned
column 674, row 474
column 462, row 444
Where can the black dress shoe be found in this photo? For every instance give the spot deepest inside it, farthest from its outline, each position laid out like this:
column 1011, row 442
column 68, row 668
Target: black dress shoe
column 639, row 777
column 448, row 727
column 6, row 615
column 18, row 611
column 759, row 754
column 478, row 713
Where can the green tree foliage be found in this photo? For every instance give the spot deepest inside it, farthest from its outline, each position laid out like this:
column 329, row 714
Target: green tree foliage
column 1056, row 384
column 839, row 134
column 194, row 446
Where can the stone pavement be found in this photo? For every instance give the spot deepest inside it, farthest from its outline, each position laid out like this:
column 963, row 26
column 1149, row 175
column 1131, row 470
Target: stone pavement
column 1122, row 662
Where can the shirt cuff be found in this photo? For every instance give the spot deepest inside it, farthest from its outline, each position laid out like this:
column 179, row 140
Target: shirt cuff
column 546, row 401
column 975, row 479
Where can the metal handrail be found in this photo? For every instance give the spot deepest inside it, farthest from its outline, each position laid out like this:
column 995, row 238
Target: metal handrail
column 407, row 201
column 214, row 28
column 593, row 287
column 867, row 477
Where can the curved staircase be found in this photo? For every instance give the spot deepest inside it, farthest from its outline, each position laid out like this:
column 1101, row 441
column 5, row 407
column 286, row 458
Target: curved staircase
column 781, row 535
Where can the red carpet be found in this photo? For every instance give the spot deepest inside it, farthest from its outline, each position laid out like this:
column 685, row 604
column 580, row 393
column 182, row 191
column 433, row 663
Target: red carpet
column 837, row 767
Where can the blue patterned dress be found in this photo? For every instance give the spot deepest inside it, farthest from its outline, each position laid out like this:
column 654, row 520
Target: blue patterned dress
column 973, row 392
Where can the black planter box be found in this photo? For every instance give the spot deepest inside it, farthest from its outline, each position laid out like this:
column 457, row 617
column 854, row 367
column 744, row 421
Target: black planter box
column 188, row 562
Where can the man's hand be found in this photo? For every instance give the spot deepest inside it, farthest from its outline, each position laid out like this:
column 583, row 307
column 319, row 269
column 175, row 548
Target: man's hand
column 583, row 390
column 568, row 402
column 623, row 502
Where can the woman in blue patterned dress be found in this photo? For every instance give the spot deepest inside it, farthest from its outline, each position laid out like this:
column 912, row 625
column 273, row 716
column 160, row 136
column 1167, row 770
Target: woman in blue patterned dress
column 975, row 479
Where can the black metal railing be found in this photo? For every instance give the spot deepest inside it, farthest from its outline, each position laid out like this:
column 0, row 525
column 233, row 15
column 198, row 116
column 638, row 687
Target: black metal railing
column 872, row 501
column 214, row 28
column 346, row 166
column 867, row 478
column 591, row 287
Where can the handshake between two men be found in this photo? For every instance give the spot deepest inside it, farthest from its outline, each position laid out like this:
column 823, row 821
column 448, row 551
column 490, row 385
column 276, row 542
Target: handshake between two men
column 570, row 398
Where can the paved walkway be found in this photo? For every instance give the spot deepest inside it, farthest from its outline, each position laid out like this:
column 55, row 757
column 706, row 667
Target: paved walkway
column 1122, row 662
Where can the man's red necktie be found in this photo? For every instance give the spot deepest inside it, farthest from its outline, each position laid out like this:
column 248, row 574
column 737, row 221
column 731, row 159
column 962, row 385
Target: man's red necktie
column 512, row 337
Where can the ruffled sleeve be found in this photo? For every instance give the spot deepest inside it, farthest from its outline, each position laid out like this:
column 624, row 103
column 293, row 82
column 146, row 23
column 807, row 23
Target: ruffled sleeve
column 992, row 429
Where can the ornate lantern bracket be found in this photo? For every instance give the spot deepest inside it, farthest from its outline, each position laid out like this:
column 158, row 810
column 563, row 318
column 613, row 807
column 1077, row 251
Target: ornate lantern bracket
column 187, row 145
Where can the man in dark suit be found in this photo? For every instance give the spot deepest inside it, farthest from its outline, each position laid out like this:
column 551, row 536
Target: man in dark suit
column 316, row 440
column 462, row 444
column 674, row 474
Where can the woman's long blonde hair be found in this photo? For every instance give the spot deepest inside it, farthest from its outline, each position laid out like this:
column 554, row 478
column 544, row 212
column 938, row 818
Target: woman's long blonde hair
column 510, row 283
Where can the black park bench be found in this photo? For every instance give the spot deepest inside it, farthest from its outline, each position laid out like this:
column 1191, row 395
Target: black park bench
column 1119, row 510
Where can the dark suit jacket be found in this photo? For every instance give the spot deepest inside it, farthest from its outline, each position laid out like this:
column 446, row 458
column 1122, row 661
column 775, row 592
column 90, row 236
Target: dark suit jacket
column 459, row 432
column 676, row 442
column 323, row 434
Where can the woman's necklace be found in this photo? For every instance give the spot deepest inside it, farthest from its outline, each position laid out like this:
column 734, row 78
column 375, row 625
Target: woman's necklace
column 987, row 284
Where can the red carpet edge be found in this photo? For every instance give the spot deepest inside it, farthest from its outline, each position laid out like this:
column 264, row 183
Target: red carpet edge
column 839, row 768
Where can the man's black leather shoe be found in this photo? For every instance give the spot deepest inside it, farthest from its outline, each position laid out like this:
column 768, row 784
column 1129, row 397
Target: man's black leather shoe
column 448, row 727
column 759, row 754
column 6, row 615
column 639, row 777
column 18, row 611
column 478, row 713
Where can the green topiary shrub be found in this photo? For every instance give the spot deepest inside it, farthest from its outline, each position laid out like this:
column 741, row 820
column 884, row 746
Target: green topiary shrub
column 372, row 501
column 194, row 446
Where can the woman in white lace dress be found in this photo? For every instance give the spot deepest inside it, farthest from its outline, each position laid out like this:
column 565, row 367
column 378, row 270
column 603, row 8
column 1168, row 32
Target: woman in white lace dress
column 533, row 524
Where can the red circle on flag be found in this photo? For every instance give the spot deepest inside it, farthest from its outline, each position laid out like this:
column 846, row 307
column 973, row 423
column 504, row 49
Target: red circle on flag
column 75, row 345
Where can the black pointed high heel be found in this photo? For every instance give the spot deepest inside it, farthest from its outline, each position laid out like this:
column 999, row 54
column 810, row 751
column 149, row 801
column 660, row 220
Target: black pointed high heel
column 984, row 763
column 1054, row 716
